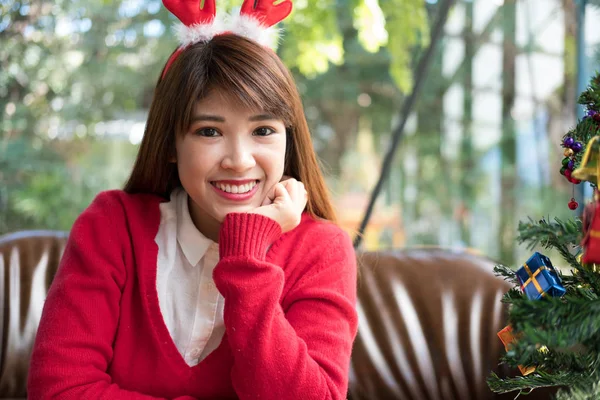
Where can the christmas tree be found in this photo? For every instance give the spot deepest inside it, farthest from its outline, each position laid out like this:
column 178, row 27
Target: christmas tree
column 553, row 332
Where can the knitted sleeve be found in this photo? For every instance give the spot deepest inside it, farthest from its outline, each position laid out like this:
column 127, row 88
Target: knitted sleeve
column 300, row 350
column 73, row 345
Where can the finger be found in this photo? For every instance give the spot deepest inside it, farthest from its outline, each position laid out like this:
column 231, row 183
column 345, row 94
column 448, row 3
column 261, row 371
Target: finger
column 301, row 189
column 298, row 195
column 281, row 194
column 266, row 201
column 288, row 182
column 294, row 188
column 270, row 197
column 302, row 199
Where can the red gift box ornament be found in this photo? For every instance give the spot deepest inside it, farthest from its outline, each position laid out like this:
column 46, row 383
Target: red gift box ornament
column 507, row 338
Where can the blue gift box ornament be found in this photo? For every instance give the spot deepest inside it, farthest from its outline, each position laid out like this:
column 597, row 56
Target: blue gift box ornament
column 538, row 278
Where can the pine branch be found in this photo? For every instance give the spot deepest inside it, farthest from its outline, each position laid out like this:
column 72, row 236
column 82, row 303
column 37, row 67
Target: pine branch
column 582, row 283
column 590, row 98
column 581, row 392
column 575, row 359
column 558, row 361
column 572, row 280
column 512, row 296
column 532, row 381
column 507, row 273
column 589, row 279
column 586, row 129
column 560, row 235
column 556, row 323
column 577, row 287
column 577, row 381
column 589, row 126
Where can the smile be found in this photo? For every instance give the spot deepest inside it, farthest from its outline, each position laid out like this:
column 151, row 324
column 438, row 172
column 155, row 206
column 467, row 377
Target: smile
column 237, row 191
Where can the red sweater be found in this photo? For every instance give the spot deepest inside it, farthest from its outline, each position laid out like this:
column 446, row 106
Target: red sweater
column 289, row 312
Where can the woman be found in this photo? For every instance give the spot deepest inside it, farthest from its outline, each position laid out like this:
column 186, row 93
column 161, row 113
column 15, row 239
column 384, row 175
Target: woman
column 218, row 272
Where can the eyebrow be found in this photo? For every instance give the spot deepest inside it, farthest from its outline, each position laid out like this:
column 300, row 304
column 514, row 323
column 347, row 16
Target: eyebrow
column 218, row 118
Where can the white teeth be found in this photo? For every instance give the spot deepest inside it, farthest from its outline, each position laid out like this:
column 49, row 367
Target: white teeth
column 236, row 189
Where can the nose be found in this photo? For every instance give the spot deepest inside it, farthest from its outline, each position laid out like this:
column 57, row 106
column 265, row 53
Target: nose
column 239, row 156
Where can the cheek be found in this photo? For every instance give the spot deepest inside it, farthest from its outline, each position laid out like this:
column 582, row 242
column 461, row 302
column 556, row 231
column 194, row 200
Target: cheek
column 274, row 160
column 184, row 162
column 193, row 162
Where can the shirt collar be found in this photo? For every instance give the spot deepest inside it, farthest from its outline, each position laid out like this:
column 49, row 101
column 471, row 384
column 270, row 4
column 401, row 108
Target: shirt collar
column 193, row 243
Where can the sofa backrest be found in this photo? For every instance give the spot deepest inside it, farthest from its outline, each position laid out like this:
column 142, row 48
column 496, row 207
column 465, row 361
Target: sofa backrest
column 428, row 324
column 28, row 262
column 428, row 319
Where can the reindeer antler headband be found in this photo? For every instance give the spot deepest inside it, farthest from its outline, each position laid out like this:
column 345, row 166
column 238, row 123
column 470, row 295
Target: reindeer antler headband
column 202, row 24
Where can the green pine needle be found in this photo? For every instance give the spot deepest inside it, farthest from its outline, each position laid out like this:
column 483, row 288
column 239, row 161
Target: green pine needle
column 507, row 273
column 560, row 235
column 532, row 381
column 582, row 391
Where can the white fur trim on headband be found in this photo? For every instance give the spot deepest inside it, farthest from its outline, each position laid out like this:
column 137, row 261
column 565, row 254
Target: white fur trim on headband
column 242, row 25
column 251, row 28
column 188, row 35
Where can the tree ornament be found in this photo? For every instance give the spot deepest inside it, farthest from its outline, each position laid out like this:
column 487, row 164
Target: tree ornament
column 591, row 232
column 538, row 278
column 568, row 152
column 508, row 339
column 568, row 173
column 568, row 141
column 577, row 146
column 589, row 267
column 565, row 161
column 589, row 169
column 596, row 117
column 573, row 204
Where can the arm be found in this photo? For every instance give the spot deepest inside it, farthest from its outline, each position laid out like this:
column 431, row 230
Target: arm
column 73, row 346
column 301, row 351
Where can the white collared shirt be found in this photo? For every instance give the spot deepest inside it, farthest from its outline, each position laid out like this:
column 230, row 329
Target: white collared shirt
column 190, row 303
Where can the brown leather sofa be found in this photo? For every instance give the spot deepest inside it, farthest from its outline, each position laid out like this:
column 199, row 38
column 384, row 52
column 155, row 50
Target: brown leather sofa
column 427, row 330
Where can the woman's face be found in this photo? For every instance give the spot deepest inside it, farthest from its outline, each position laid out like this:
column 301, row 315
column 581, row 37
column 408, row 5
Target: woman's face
column 229, row 159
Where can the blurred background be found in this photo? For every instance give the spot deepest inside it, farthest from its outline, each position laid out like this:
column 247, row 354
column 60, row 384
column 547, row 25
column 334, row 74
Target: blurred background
column 480, row 151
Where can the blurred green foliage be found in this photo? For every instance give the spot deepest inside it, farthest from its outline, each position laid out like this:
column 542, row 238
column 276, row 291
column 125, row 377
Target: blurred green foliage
column 67, row 68
column 77, row 78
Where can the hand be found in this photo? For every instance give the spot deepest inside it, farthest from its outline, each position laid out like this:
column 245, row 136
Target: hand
column 285, row 203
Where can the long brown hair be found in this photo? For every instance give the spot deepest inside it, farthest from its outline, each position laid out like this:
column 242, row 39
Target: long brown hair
column 249, row 72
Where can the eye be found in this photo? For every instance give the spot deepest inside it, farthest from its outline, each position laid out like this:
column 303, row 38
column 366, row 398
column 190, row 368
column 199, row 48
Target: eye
column 207, row 132
column 264, row 131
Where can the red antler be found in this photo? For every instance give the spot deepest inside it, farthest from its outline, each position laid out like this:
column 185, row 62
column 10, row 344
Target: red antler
column 266, row 12
column 189, row 11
